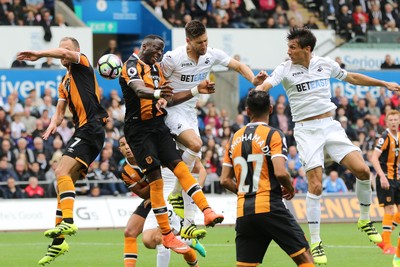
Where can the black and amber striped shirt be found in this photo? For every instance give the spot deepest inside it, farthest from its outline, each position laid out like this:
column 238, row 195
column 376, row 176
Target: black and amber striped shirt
column 132, row 175
column 80, row 89
column 389, row 159
column 140, row 109
column 249, row 153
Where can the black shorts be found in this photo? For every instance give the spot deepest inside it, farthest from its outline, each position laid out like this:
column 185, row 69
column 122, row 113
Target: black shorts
column 151, row 144
column 86, row 143
column 390, row 196
column 142, row 211
column 255, row 232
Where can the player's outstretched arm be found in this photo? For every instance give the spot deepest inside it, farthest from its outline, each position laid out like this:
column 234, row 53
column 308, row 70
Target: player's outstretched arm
column 205, row 87
column 265, row 86
column 63, row 53
column 361, row 79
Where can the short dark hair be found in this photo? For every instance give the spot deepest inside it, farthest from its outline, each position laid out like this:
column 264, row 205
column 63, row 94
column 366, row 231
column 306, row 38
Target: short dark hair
column 194, row 29
column 304, row 36
column 152, row 37
column 258, row 102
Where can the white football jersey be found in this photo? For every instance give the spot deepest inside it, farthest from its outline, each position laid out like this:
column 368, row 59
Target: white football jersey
column 185, row 74
column 308, row 90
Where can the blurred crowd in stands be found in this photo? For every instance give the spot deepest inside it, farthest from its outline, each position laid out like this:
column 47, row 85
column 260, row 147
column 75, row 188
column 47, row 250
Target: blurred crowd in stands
column 349, row 18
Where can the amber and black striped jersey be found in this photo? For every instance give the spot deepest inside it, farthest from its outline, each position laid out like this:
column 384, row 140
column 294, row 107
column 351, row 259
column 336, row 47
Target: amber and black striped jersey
column 80, row 89
column 140, row 109
column 389, row 159
column 249, row 153
column 132, row 175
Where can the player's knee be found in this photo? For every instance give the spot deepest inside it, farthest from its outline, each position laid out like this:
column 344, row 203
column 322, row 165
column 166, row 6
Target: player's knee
column 363, row 172
column 131, row 232
column 195, row 145
column 315, row 187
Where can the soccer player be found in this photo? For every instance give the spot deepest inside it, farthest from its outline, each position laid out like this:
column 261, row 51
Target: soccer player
column 135, row 180
column 254, row 169
column 186, row 66
column 385, row 160
column 80, row 92
column 146, row 92
column 306, row 79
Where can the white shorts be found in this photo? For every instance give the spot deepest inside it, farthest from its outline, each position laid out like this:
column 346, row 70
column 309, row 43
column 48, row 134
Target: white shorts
column 174, row 220
column 315, row 137
column 181, row 120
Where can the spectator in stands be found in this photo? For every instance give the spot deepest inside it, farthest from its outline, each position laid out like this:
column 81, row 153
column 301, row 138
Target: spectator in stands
column 269, row 23
column 375, row 12
column 34, row 190
column 373, row 109
column 39, row 130
column 376, row 26
column 337, row 95
column 49, row 64
column 312, row 22
column 294, row 156
column 390, row 17
column 281, row 121
column 212, row 181
column 359, row 14
column 295, row 13
column 22, row 149
column 12, row 106
column 30, row 19
column 334, row 184
column 389, row 63
column 28, row 120
column 235, row 16
column 117, row 112
column 37, row 101
column 46, row 22
column 65, row 132
column 112, row 47
column 13, row 191
column 19, row 64
column 21, row 170
column 47, row 105
column 35, row 170
column 361, row 111
column 5, row 8
column 38, row 147
column 82, row 187
column 345, row 21
column 360, row 30
column 45, row 118
column 95, row 191
column 281, row 22
column 60, row 20
column 35, row 5
column 4, row 122
column 112, row 185
column 201, row 9
column 17, row 126
column 291, row 168
column 43, row 163
column 300, row 183
column 11, row 19
column 351, row 133
column 6, row 151
column 239, row 123
column 6, row 170
column 173, row 13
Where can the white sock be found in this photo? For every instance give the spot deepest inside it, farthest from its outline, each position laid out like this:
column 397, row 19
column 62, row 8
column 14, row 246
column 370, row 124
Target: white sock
column 163, row 256
column 190, row 209
column 313, row 210
column 364, row 191
column 189, row 157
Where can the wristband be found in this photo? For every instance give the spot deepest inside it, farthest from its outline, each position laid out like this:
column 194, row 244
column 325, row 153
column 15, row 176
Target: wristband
column 157, row 94
column 195, row 91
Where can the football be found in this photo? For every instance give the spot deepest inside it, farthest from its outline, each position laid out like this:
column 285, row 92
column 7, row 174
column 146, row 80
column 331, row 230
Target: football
column 109, row 66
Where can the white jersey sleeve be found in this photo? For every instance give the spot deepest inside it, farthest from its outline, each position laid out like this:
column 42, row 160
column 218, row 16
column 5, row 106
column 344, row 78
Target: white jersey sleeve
column 277, row 75
column 168, row 64
column 337, row 72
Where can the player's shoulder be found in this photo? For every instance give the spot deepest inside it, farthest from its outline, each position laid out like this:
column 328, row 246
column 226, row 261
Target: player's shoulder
column 177, row 53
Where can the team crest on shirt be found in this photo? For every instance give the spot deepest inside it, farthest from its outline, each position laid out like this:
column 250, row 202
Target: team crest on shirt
column 149, row 160
column 388, row 199
column 207, row 61
column 67, row 85
column 320, row 69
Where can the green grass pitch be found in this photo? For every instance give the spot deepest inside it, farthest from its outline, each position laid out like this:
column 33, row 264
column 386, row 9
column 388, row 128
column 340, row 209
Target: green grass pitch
column 346, row 246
